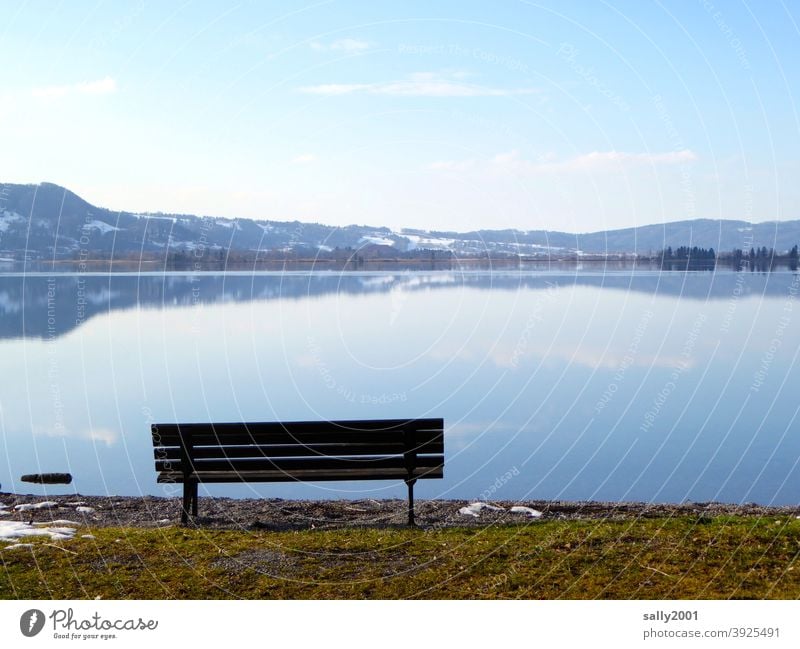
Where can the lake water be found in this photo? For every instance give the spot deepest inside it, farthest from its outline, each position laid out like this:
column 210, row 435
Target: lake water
column 621, row 385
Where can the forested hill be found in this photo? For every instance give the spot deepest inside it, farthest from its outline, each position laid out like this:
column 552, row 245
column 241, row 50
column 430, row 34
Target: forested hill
column 46, row 220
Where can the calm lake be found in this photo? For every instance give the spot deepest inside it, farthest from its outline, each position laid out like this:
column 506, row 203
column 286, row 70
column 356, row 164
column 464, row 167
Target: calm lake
column 613, row 385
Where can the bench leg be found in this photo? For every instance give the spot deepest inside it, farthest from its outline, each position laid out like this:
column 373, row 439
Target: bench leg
column 410, row 484
column 189, row 488
column 194, row 499
column 189, row 501
column 185, row 505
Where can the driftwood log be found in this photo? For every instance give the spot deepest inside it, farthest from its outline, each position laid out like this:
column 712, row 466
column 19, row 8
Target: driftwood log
column 48, row 478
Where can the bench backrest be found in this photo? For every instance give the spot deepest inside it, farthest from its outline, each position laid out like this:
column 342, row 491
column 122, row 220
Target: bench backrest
column 299, row 451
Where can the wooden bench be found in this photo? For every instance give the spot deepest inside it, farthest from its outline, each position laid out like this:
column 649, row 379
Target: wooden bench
column 301, row 451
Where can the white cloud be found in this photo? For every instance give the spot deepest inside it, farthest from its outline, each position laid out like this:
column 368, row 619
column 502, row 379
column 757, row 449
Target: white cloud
column 513, row 162
column 452, row 165
column 304, row 158
column 342, row 45
column 335, row 88
column 350, row 45
column 612, row 159
column 418, row 85
column 98, row 87
column 107, row 436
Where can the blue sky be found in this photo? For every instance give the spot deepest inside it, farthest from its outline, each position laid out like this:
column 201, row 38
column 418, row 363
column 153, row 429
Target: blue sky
column 575, row 116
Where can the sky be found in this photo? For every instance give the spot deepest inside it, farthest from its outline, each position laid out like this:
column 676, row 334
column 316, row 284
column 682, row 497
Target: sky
column 451, row 115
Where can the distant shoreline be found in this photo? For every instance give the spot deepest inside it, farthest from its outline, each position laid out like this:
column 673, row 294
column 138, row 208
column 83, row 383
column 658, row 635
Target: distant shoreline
column 454, row 264
column 399, row 264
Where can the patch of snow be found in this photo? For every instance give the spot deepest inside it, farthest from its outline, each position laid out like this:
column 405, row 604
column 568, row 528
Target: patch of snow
column 519, row 509
column 417, row 241
column 27, row 506
column 539, row 246
column 156, row 216
column 104, row 227
column 16, row 530
column 87, row 536
column 475, row 509
column 7, row 218
column 3, row 512
column 480, row 506
column 85, row 510
column 378, row 241
column 15, row 546
column 412, row 240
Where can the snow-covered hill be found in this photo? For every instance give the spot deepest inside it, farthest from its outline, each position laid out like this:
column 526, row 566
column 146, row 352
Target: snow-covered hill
column 47, row 221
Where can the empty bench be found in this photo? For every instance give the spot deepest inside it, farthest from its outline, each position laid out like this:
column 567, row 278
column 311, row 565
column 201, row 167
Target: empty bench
column 300, row 451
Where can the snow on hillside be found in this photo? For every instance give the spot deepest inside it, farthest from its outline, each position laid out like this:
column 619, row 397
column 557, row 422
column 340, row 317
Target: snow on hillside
column 378, row 241
column 104, row 227
column 7, row 218
column 418, row 241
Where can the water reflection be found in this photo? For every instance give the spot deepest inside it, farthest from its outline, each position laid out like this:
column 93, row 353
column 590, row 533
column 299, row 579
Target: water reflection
column 42, row 305
column 624, row 385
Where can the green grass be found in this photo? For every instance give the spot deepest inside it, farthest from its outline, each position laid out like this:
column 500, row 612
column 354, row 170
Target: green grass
column 722, row 557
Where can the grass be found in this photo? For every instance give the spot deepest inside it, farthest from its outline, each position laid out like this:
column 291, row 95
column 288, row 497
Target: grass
column 677, row 557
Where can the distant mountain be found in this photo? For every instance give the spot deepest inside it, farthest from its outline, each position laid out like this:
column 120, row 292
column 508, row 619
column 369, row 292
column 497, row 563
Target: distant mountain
column 46, row 221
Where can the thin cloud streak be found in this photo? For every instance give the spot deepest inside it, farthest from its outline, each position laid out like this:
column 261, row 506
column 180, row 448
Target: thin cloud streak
column 342, row 45
column 304, row 158
column 98, row 87
column 418, row 85
column 512, row 162
column 350, row 45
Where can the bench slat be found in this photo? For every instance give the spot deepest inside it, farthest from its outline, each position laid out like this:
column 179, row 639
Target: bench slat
column 322, row 463
column 297, row 450
column 303, row 431
column 421, row 473
column 244, row 439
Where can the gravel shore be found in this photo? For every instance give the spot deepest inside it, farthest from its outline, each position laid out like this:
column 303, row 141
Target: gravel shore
column 280, row 514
